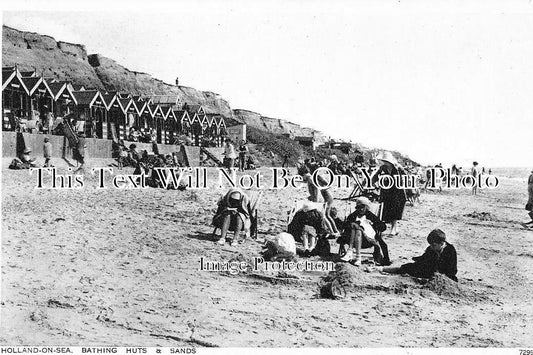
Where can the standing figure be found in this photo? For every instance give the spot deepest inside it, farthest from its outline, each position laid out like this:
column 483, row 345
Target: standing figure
column 393, row 199
column 529, row 205
column 474, row 172
column 243, row 150
column 313, row 189
column 229, row 154
column 79, row 151
column 47, row 152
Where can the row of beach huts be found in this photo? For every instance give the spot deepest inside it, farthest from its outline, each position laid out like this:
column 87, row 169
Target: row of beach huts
column 33, row 103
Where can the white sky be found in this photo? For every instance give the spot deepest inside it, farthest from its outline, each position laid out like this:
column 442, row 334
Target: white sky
column 444, row 82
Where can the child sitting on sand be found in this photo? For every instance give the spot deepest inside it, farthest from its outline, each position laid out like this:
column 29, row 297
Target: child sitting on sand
column 440, row 257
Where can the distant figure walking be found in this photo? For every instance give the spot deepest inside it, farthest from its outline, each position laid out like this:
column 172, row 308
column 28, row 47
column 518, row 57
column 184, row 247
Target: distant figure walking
column 47, row 152
column 474, row 172
column 529, row 205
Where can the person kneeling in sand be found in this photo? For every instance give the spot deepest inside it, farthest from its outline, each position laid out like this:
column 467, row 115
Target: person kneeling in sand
column 440, row 257
column 233, row 214
column 363, row 230
column 306, row 225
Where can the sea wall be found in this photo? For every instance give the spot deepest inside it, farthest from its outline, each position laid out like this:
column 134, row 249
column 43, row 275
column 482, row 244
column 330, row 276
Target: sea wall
column 14, row 143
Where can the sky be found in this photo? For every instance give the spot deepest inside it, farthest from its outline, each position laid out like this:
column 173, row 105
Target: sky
column 442, row 81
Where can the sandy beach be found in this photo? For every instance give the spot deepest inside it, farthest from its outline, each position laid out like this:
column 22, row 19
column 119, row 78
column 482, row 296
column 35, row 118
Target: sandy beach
column 120, row 267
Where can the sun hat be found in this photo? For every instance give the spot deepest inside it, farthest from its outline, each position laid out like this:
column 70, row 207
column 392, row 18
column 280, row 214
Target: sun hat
column 388, row 157
column 308, row 206
column 362, row 201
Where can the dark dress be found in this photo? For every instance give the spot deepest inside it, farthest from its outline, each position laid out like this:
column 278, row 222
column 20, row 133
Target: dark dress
column 430, row 262
column 311, row 218
column 393, row 199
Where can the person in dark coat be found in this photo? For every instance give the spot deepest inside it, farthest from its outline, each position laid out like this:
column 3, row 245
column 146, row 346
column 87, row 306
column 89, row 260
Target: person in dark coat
column 79, row 151
column 440, row 257
column 393, row 199
column 362, row 229
column 307, row 216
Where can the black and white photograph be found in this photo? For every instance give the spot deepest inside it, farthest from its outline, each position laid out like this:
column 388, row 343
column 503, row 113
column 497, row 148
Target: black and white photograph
column 266, row 174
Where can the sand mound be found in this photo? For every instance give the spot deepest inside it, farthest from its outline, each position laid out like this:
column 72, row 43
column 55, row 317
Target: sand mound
column 443, row 286
column 482, row 216
column 349, row 280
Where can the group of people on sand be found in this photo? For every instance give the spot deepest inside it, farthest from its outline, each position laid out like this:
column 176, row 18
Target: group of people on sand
column 315, row 222
column 24, row 160
column 241, row 155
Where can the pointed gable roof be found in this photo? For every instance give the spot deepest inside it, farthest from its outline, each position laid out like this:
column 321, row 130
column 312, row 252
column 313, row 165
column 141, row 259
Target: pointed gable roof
column 109, row 99
column 124, row 103
column 221, row 122
column 59, row 89
column 34, row 83
column 11, row 76
column 88, row 97
column 140, row 104
column 182, row 115
column 168, row 112
column 155, row 110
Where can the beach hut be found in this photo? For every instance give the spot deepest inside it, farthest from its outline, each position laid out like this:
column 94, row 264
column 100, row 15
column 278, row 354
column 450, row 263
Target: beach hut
column 140, row 106
column 90, row 111
column 14, row 98
column 213, row 130
column 40, row 98
column 64, row 100
column 221, row 125
column 183, row 122
column 146, row 120
column 112, row 106
column 158, row 120
column 171, row 126
column 129, row 111
column 118, row 115
column 196, row 127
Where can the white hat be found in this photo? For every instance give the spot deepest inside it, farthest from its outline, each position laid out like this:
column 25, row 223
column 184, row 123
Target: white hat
column 388, row 157
column 308, row 206
column 362, row 201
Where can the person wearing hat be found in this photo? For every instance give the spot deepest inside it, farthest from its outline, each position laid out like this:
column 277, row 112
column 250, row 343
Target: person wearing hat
column 26, row 159
column 233, row 214
column 440, row 256
column 47, row 152
column 306, row 225
column 529, row 205
column 393, row 199
column 363, row 230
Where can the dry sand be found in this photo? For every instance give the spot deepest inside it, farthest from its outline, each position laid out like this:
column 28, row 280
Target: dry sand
column 120, row 267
